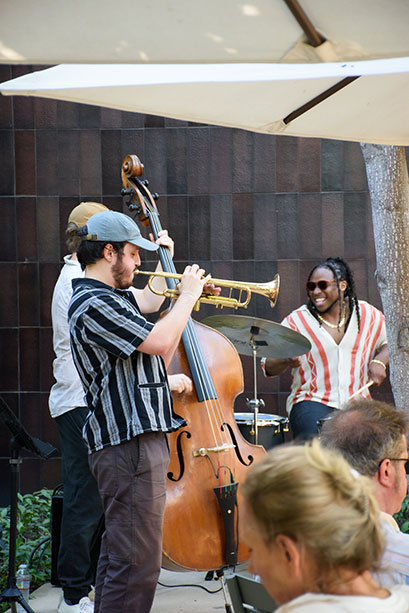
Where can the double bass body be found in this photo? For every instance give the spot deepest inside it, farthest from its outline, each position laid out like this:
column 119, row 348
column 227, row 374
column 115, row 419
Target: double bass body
column 194, row 532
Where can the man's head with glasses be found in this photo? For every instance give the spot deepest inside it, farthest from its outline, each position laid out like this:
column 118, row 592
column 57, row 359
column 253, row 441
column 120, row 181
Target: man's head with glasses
column 371, row 435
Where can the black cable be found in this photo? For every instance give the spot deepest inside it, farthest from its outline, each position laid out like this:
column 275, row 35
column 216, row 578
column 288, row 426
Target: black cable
column 192, row 585
column 40, row 544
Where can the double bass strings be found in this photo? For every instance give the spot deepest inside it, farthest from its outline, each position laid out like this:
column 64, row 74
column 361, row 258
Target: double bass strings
column 206, row 386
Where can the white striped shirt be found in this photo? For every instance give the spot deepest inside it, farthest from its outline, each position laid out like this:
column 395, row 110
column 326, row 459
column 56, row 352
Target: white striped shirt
column 395, row 559
column 330, row 373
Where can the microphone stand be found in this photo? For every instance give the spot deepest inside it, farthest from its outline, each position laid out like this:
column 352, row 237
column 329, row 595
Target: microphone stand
column 20, row 439
column 255, row 402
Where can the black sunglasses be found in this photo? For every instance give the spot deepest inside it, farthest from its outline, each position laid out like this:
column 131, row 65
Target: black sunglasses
column 406, row 460
column 311, row 285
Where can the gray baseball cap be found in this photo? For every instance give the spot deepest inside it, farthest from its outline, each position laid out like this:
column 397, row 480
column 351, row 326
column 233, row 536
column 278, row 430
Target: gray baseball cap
column 118, row 228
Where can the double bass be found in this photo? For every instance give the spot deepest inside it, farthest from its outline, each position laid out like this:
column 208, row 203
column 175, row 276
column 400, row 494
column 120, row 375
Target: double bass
column 208, row 457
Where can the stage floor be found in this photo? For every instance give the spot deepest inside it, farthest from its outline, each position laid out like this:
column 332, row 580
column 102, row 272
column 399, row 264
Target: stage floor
column 190, row 597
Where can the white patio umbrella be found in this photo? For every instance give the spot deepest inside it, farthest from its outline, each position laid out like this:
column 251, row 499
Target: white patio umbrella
column 361, row 101
column 197, row 31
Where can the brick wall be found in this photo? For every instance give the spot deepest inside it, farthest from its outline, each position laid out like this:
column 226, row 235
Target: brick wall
column 243, row 205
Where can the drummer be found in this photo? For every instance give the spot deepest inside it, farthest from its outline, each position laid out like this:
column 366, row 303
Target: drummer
column 348, row 348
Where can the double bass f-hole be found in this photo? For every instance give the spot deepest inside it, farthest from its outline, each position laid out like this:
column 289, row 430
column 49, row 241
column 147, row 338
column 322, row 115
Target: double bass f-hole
column 208, row 457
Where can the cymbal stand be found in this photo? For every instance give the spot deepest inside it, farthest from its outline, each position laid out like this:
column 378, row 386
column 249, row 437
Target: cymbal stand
column 255, row 402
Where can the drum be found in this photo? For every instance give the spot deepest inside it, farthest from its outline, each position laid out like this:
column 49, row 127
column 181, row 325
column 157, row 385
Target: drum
column 270, row 428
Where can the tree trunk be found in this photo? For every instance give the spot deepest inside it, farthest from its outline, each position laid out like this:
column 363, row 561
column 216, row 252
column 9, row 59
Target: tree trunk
column 388, row 184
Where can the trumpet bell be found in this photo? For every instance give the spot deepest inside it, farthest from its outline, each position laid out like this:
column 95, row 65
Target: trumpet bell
column 268, row 290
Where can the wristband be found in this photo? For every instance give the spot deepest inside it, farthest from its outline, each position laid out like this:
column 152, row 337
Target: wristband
column 378, row 362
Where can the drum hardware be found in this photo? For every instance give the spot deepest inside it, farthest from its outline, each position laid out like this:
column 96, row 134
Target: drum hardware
column 248, row 335
column 321, row 422
column 254, row 404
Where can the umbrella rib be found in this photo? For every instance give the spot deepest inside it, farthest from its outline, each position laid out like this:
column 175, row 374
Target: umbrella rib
column 313, row 36
column 318, row 99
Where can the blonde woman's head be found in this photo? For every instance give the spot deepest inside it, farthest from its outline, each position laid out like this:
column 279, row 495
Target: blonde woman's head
column 313, row 498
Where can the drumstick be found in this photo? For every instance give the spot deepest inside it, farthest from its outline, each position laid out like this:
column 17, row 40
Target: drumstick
column 361, row 389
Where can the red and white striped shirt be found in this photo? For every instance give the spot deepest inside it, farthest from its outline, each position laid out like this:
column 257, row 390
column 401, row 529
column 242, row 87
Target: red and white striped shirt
column 331, row 373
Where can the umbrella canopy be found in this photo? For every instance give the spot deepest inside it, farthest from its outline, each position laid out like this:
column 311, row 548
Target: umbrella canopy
column 360, row 101
column 180, row 31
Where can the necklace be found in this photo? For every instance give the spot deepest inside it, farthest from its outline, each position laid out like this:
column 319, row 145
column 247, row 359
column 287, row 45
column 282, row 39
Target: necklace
column 339, row 324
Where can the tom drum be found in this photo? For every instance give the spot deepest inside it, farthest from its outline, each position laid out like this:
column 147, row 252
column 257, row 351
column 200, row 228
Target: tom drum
column 271, row 428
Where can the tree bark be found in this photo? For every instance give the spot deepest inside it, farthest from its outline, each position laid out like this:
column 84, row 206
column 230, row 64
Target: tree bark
column 388, row 184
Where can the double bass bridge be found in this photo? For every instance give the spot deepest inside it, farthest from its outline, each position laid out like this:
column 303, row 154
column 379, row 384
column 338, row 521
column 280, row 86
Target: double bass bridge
column 205, row 451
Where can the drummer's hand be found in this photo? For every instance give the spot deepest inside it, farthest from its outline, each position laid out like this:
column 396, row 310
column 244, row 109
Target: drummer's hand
column 376, row 373
column 180, row 383
column 294, row 362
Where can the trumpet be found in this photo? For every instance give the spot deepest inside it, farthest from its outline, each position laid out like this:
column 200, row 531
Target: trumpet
column 268, row 290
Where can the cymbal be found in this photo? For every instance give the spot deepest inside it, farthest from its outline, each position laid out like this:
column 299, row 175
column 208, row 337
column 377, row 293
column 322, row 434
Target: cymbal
column 272, row 340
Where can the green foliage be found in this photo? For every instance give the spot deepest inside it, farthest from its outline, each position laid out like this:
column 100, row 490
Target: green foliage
column 33, row 529
column 403, row 516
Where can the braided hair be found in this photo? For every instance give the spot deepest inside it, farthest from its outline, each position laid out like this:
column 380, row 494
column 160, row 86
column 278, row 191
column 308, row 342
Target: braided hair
column 342, row 272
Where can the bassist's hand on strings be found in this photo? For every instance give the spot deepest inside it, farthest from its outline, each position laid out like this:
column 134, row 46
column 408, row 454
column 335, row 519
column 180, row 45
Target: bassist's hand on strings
column 180, row 383
column 164, row 240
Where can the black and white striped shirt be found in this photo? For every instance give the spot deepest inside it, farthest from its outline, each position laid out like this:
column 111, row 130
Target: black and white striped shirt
column 126, row 390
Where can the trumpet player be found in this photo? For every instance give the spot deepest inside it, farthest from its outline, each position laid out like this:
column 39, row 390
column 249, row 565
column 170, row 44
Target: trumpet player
column 121, row 359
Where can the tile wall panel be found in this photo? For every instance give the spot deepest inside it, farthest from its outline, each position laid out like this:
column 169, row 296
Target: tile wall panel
column 176, row 161
column 243, row 147
column 243, row 227
column 264, row 163
column 332, row 228
column 9, row 359
column 24, row 147
column 45, row 113
column 9, row 300
column 332, row 165
column 48, row 228
column 26, row 211
column 90, row 171
column 68, row 166
column 355, row 222
column 354, row 168
column 29, row 294
column 7, row 166
column 220, row 170
column 265, row 227
column 47, row 162
column 310, row 224
column 287, row 226
column 244, row 205
column 8, row 244
column 287, row 164
column 198, row 150
column 309, row 164
column 23, row 111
